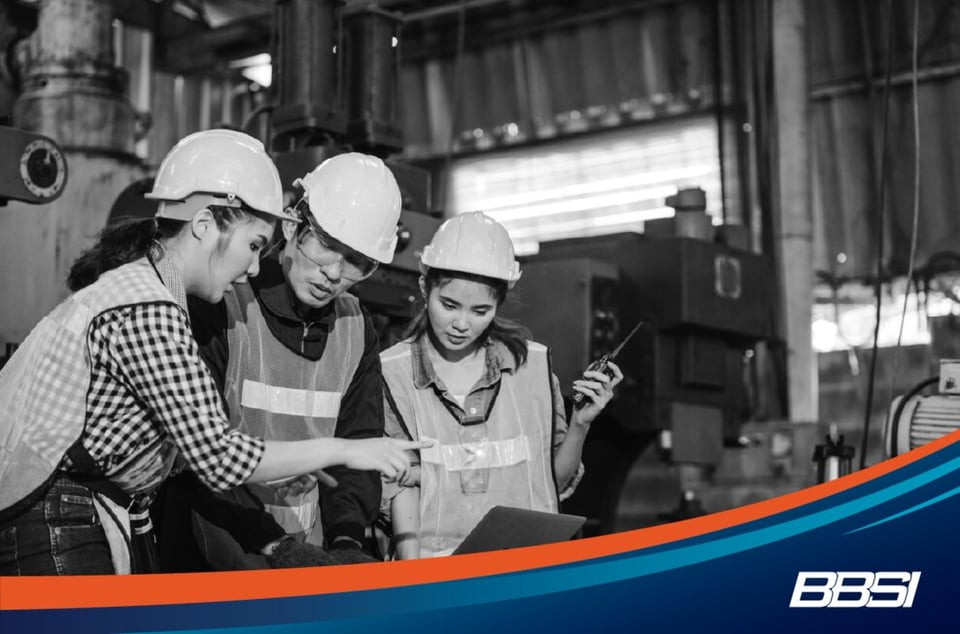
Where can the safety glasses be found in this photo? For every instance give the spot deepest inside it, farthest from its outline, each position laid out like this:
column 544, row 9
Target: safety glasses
column 324, row 250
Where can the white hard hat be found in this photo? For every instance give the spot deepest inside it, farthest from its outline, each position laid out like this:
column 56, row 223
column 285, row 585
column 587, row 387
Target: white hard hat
column 355, row 198
column 227, row 166
column 473, row 243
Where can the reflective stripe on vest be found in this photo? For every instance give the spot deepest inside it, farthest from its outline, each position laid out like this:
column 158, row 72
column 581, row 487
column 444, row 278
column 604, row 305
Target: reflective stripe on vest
column 478, row 455
column 291, row 401
column 276, row 394
column 43, row 387
column 505, row 461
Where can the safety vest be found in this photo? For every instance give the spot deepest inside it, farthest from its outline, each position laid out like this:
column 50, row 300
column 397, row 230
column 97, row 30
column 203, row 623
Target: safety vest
column 506, row 460
column 43, row 387
column 276, row 394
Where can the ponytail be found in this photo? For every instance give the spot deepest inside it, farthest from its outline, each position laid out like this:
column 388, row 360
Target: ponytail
column 119, row 243
column 130, row 239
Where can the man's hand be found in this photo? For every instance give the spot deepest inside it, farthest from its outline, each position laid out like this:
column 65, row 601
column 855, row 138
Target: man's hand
column 411, row 477
column 290, row 487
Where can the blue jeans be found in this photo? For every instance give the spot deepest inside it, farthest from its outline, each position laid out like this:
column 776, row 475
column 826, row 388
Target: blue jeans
column 59, row 535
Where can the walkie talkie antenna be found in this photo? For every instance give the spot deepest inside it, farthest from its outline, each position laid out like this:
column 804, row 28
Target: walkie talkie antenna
column 616, row 351
column 600, row 365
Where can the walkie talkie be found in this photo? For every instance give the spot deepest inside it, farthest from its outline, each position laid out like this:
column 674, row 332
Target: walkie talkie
column 600, row 365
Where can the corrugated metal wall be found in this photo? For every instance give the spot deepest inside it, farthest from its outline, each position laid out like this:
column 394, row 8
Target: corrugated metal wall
column 635, row 64
column 848, row 42
column 618, row 66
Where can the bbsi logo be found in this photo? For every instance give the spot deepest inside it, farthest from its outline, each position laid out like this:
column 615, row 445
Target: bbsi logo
column 855, row 589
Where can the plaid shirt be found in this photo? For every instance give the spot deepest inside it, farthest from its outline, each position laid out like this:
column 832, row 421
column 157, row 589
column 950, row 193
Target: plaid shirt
column 148, row 383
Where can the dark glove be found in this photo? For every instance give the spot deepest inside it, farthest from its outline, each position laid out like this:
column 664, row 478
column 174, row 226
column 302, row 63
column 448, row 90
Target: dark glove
column 344, row 542
column 347, row 550
column 290, row 553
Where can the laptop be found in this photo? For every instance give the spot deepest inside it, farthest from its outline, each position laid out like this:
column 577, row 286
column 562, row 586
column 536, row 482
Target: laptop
column 506, row 527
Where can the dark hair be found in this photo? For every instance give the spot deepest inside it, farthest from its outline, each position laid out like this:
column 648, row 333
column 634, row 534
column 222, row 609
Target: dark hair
column 130, row 239
column 513, row 335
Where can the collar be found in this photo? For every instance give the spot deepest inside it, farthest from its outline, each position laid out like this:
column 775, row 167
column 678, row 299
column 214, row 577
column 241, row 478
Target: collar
column 498, row 360
column 276, row 296
column 169, row 274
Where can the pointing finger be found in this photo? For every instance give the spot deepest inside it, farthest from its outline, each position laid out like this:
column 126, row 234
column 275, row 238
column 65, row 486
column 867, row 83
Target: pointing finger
column 325, row 478
column 419, row 444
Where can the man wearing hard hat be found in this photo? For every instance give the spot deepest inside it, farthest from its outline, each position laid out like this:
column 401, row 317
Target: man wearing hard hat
column 297, row 357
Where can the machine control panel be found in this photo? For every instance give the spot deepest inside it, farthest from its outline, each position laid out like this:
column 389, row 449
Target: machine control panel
column 32, row 167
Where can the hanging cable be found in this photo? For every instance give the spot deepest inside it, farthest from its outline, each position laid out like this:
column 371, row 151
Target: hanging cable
column 878, row 283
column 916, row 200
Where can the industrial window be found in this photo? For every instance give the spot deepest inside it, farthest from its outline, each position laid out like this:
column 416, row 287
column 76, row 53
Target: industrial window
column 844, row 326
column 596, row 184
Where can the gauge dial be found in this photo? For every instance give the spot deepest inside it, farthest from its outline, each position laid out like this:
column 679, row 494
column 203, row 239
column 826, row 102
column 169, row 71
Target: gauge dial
column 43, row 169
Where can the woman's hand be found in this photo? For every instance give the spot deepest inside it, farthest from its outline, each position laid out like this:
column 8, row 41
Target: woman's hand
column 285, row 461
column 389, row 456
column 597, row 389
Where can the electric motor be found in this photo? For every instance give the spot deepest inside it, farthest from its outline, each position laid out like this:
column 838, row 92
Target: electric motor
column 922, row 419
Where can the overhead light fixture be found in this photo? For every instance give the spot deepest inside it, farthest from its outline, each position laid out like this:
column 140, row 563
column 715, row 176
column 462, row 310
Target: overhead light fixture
column 256, row 68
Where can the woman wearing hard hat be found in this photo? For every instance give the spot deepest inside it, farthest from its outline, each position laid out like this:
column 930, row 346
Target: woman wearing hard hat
column 108, row 390
column 474, row 382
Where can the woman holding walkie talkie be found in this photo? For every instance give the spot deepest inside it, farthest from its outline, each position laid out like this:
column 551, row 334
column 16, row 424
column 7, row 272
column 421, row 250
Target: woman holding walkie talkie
column 476, row 384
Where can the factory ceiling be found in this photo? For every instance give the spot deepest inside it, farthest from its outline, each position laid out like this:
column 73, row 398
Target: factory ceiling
column 199, row 35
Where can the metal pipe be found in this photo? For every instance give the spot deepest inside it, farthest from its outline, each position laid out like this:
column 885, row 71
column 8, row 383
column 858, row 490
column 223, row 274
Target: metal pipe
column 72, row 90
column 307, row 91
column 453, row 7
column 793, row 219
column 372, row 81
column 718, row 100
column 80, row 31
column 930, row 73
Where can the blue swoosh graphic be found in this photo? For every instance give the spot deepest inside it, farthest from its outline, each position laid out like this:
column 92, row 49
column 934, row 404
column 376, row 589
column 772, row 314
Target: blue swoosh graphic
column 934, row 500
column 545, row 581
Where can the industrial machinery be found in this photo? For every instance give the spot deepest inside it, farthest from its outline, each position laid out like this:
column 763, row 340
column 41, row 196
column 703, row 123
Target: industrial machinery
column 32, row 167
column 686, row 391
column 834, row 458
column 587, row 325
column 331, row 103
column 916, row 419
column 32, row 170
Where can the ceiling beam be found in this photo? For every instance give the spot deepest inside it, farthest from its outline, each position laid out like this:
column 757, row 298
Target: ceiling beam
column 425, row 41
column 214, row 48
column 157, row 17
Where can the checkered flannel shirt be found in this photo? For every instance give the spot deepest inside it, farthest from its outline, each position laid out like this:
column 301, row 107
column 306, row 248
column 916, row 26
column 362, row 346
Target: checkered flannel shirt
column 148, row 382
